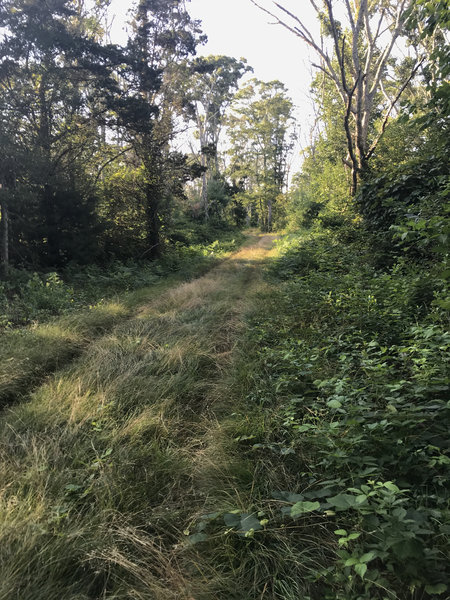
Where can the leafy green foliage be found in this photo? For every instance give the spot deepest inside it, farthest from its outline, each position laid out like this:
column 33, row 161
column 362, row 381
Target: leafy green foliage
column 352, row 375
column 260, row 128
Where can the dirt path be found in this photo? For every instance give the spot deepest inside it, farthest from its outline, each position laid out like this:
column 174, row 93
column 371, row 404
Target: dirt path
column 111, row 459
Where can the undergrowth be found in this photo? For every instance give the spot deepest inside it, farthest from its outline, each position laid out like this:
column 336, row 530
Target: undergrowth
column 344, row 422
column 29, row 297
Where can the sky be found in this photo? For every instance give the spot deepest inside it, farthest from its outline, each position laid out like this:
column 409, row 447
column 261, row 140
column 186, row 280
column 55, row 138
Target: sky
column 238, row 28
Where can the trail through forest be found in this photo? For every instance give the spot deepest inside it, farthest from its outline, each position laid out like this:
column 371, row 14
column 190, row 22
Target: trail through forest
column 116, row 453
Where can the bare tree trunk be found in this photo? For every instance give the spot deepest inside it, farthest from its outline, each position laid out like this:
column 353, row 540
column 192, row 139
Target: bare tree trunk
column 216, row 162
column 269, row 215
column 4, row 237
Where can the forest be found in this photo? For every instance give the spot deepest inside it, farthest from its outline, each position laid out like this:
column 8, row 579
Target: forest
column 221, row 379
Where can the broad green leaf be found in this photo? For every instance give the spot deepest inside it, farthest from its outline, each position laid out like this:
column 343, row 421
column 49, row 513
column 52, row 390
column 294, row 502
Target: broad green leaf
column 400, row 513
column 340, row 532
column 287, row 496
column 351, row 561
column 249, row 522
column 231, row 520
column 334, row 404
column 391, row 486
column 303, row 428
column 300, row 508
column 439, row 588
column 210, row 516
column 342, row 501
column 365, row 558
column 361, row 569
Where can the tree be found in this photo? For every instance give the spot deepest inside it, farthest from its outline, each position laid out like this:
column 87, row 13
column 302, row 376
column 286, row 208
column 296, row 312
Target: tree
column 52, row 73
column 164, row 35
column 212, row 84
column 261, row 140
column 357, row 62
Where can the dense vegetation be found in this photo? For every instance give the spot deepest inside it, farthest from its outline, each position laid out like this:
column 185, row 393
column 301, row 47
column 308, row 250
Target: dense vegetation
column 183, row 419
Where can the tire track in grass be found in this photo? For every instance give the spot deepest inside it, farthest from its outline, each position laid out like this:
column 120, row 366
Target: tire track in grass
column 28, row 355
column 102, row 468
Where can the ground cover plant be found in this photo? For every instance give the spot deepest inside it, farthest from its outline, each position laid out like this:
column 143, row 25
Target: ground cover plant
column 345, row 380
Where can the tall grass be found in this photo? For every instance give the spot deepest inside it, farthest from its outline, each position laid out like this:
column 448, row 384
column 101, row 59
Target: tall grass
column 112, row 457
column 30, row 353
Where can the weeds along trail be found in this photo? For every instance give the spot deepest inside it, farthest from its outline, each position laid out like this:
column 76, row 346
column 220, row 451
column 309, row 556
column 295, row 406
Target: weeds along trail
column 113, row 456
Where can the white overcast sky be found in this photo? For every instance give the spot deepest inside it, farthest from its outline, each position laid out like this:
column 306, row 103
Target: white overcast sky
column 238, row 28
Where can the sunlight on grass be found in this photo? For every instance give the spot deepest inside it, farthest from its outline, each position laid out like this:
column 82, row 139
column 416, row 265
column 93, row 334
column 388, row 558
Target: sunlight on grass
column 54, row 333
column 110, row 458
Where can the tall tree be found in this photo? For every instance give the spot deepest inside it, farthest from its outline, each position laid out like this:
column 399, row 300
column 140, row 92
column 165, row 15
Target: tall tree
column 261, row 136
column 164, row 35
column 357, row 61
column 210, row 90
column 51, row 69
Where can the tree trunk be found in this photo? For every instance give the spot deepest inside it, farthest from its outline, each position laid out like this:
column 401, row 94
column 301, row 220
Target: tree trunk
column 152, row 202
column 4, row 237
column 48, row 200
column 205, row 189
column 52, row 229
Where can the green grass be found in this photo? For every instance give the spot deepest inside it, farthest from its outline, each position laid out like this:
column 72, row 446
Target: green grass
column 111, row 458
column 30, row 353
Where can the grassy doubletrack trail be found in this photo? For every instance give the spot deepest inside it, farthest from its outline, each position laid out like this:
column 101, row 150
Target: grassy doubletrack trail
column 110, row 460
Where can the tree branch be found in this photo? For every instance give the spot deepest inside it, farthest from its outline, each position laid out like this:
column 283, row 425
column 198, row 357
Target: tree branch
column 108, row 162
column 388, row 113
column 303, row 33
column 350, row 15
column 387, row 51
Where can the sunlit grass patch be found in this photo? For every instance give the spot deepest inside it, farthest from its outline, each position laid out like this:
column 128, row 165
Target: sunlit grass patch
column 111, row 457
column 29, row 354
